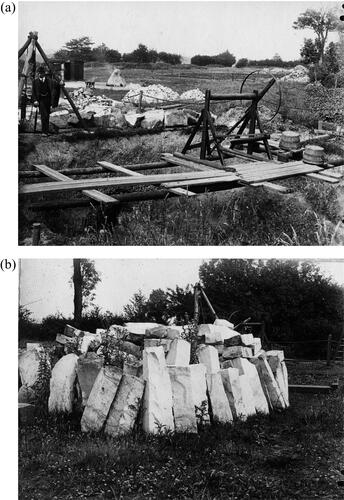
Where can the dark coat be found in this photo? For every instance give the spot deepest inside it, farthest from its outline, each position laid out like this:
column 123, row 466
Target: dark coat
column 49, row 91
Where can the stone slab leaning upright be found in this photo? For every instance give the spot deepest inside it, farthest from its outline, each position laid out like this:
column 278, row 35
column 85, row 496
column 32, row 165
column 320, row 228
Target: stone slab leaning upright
column 199, row 392
column 208, row 356
column 87, row 371
column 179, row 353
column 233, row 390
column 100, row 399
column 219, row 405
column 157, row 403
column 125, row 407
column 183, row 401
column 62, row 382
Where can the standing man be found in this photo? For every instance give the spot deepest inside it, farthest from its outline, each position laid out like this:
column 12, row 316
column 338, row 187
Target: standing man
column 42, row 96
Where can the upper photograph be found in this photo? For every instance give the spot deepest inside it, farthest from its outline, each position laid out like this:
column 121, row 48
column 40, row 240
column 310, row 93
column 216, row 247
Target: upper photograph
column 181, row 123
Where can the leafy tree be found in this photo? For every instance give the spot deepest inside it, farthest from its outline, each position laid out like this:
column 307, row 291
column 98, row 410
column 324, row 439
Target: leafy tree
column 331, row 58
column 136, row 310
column 180, row 302
column 242, row 63
column 200, row 60
column 112, row 56
column 225, row 59
column 99, row 52
column 298, row 301
column 85, row 278
column 170, row 58
column 141, row 55
column 309, row 52
column 77, row 48
column 321, row 22
column 156, row 306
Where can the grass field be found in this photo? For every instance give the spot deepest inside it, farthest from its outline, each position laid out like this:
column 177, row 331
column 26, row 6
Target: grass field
column 294, row 454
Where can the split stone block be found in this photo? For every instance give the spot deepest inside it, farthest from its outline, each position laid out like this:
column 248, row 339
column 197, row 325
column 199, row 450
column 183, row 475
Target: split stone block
column 134, row 119
column 247, row 395
column 271, row 389
column 87, row 371
column 153, row 119
column 208, row 355
column 29, row 367
column 157, row 332
column 256, row 345
column 100, row 399
column 274, row 359
column 199, row 392
column 165, row 343
column 125, row 407
column 173, row 333
column 247, row 339
column 248, row 369
column 62, row 339
column 219, row 405
column 183, row 401
column 62, row 384
column 139, row 329
column 279, row 369
column 231, row 383
column 179, row 353
column 232, row 341
column 223, row 322
column 175, row 118
column 157, row 405
column 236, row 351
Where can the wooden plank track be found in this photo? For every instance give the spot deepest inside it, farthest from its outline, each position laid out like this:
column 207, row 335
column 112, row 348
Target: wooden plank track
column 262, row 172
column 123, row 170
column 90, row 193
column 75, row 185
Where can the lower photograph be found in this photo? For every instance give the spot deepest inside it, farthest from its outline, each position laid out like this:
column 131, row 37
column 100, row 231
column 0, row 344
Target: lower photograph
column 181, row 379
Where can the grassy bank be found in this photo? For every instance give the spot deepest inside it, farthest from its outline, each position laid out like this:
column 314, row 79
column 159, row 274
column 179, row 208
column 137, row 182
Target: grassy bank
column 294, row 454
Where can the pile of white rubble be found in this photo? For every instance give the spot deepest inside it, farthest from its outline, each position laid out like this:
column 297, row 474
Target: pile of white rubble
column 297, row 74
column 154, row 385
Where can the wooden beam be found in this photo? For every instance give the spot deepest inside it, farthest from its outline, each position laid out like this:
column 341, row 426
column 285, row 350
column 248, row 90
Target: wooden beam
column 25, row 71
column 324, row 178
column 118, row 168
column 273, row 187
column 75, row 185
column 90, row 193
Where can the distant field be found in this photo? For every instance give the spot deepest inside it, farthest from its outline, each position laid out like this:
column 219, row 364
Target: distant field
column 179, row 78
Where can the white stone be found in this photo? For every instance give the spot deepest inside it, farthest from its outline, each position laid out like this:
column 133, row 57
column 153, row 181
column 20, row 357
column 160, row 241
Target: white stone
column 173, row 333
column 175, row 118
column 153, row 119
column 199, row 392
column 157, row 332
column 34, row 346
column 256, row 345
column 247, row 339
column 271, row 389
column 157, row 406
column 247, row 395
column 29, row 367
column 179, row 353
column 87, row 371
column 134, row 119
column 100, row 399
column 165, row 343
column 233, row 390
column 248, row 369
column 236, row 351
column 125, row 407
column 208, row 355
column 219, row 405
column 62, row 339
column 62, row 383
column 183, row 401
column 224, row 322
column 139, row 328
column 279, row 369
column 274, row 358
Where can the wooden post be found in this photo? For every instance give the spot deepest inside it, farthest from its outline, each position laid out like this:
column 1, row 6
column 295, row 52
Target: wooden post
column 36, row 233
column 140, row 101
column 205, row 133
column 26, row 68
column 196, row 303
column 64, row 90
column 209, row 303
column 329, row 349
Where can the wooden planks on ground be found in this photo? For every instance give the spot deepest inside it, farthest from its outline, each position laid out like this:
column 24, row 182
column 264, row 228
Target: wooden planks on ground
column 90, row 193
column 75, row 185
column 123, row 170
column 269, row 171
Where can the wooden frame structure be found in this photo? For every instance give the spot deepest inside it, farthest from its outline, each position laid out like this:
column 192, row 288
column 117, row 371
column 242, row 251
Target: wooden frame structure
column 31, row 45
column 250, row 120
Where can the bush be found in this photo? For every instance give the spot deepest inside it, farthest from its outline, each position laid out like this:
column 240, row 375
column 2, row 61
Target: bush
column 223, row 59
column 242, row 63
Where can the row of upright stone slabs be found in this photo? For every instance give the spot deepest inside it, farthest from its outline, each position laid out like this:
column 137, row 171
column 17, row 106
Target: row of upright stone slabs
column 234, row 378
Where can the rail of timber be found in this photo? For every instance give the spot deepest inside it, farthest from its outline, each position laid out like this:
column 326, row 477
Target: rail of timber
column 198, row 176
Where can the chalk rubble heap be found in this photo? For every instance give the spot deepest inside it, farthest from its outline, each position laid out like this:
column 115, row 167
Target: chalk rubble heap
column 147, row 379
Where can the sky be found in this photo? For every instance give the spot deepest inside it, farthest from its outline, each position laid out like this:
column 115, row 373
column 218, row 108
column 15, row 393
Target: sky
column 255, row 30
column 44, row 286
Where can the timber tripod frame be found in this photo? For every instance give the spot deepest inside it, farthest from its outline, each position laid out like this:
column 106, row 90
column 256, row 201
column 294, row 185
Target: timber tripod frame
column 250, row 120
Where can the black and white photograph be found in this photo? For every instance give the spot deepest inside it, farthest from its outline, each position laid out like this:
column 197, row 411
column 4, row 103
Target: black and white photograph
column 188, row 378
column 181, row 123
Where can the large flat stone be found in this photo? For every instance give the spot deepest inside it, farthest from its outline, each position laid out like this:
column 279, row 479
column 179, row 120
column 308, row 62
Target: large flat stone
column 183, row 401
column 236, row 352
column 256, row 345
column 215, row 333
column 220, row 409
column 157, row 406
column 175, row 118
column 208, row 355
column 274, row 358
column 231, row 383
column 157, row 332
column 224, row 322
column 87, row 371
column 270, row 387
column 153, row 119
column 248, row 369
column 29, row 362
column 247, row 339
column 125, row 407
column 247, row 395
column 280, row 372
column 62, row 383
column 100, row 399
column 199, row 393
column 179, row 353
